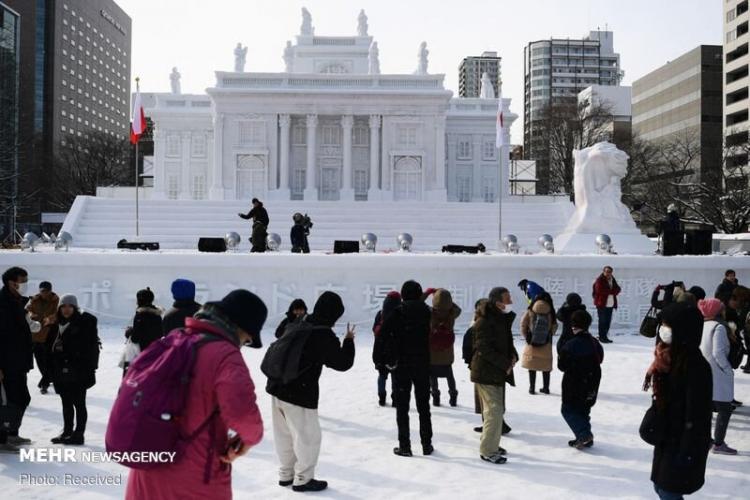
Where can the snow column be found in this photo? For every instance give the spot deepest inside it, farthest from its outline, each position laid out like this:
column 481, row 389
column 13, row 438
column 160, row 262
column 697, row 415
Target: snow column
column 311, row 192
column 373, row 193
column 347, row 122
column 217, row 183
column 284, row 125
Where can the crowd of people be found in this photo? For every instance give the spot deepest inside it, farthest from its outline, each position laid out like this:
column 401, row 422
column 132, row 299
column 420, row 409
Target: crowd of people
column 698, row 348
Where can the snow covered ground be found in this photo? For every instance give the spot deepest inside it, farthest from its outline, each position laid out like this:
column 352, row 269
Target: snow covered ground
column 358, row 437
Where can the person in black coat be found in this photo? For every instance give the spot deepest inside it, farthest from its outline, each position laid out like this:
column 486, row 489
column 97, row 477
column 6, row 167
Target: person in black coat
column 573, row 303
column 683, row 393
column 727, row 286
column 75, row 355
column 407, row 352
column 185, row 306
column 296, row 426
column 16, row 351
column 299, row 233
column 580, row 360
column 260, row 225
column 147, row 323
column 390, row 303
column 296, row 312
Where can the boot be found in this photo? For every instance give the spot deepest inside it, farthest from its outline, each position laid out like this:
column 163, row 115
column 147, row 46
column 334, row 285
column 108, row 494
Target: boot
column 65, row 434
column 311, row 485
column 402, row 452
column 75, row 439
column 506, row 428
column 436, row 398
column 381, row 398
column 453, row 398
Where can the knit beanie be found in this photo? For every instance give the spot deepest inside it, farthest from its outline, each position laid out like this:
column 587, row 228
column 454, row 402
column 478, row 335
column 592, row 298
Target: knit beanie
column 710, row 308
column 183, row 289
column 69, row 300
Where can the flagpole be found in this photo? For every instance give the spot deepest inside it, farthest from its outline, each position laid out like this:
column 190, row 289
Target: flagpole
column 501, row 143
column 137, row 228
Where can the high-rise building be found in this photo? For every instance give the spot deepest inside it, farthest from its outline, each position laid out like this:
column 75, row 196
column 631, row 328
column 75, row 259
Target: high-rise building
column 682, row 101
column 470, row 73
column 10, row 29
column 74, row 79
column 556, row 71
column 617, row 103
column 736, row 81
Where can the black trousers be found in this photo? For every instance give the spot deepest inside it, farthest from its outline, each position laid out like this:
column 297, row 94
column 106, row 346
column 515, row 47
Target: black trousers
column 258, row 238
column 419, row 377
column 43, row 358
column 442, row 371
column 532, row 379
column 17, row 393
column 74, row 406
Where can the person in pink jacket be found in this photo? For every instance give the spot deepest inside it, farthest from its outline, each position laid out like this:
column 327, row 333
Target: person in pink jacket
column 221, row 380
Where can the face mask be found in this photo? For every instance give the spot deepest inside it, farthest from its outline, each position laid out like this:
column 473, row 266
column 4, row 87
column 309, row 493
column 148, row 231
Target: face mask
column 508, row 308
column 22, row 289
column 665, row 334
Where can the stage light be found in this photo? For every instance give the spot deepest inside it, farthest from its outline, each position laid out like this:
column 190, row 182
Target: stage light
column 232, row 240
column 547, row 243
column 273, row 242
column 63, row 241
column 510, row 243
column 604, row 244
column 369, row 240
column 404, row 241
column 46, row 238
column 30, row 240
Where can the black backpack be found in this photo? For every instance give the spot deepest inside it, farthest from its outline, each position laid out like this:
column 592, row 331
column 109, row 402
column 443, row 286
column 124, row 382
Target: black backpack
column 281, row 362
column 540, row 330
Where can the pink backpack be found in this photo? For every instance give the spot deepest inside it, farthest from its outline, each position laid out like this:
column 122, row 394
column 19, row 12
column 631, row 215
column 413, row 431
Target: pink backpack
column 147, row 412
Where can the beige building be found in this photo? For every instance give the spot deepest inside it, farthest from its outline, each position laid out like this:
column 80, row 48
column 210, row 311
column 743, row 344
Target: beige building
column 736, row 78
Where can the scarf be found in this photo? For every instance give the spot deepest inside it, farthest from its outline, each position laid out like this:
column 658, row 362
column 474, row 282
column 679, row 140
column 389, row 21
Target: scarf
column 660, row 366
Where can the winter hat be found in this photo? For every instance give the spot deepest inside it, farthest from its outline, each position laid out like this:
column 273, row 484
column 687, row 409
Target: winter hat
column 581, row 320
column 46, row 286
column 391, row 302
column 710, row 308
column 144, row 297
column 183, row 289
column 297, row 304
column 247, row 311
column 442, row 300
column 686, row 322
column 69, row 300
column 411, row 290
column 530, row 288
column 328, row 309
column 573, row 300
column 699, row 292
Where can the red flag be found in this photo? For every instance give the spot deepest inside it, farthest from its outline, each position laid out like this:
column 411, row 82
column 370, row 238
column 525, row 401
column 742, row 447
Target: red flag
column 138, row 120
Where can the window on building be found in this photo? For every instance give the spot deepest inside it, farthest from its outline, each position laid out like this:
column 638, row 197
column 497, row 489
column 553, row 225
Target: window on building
column 173, row 145
column 331, row 135
column 360, row 136
column 299, row 135
column 488, row 149
column 251, row 133
column 407, row 135
column 198, row 188
column 489, row 189
column 173, row 186
column 199, row 145
column 463, row 148
column 463, row 188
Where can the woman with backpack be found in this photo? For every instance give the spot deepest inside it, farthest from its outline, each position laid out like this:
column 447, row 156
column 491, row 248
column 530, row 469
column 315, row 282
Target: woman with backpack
column 297, row 311
column 538, row 325
column 390, row 303
column 678, row 425
column 75, row 356
column 715, row 348
column 442, row 337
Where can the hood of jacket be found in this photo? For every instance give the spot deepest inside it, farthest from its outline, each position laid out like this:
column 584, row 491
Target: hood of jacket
column 328, row 309
column 442, row 300
column 541, row 307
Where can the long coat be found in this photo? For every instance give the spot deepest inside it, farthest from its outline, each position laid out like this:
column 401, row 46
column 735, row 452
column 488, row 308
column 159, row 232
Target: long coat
column 715, row 348
column 679, row 463
column 15, row 336
column 537, row 358
column 221, row 379
column 73, row 353
column 493, row 347
column 444, row 314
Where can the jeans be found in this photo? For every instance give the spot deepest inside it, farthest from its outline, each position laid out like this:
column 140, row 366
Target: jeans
column 723, row 413
column 605, row 320
column 74, row 404
column 667, row 495
column 382, row 377
column 578, row 419
column 419, row 377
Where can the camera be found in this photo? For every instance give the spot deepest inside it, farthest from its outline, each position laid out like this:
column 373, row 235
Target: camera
column 303, row 220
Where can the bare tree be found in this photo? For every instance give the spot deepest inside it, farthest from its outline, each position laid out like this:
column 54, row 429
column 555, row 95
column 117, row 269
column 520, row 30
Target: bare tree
column 87, row 162
column 669, row 172
column 566, row 126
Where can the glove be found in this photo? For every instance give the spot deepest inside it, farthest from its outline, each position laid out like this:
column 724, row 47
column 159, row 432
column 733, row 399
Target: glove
column 430, row 291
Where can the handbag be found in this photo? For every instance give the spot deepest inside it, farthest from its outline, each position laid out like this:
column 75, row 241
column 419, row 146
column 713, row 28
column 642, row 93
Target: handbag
column 129, row 353
column 10, row 414
column 652, row 426
column 650, row 324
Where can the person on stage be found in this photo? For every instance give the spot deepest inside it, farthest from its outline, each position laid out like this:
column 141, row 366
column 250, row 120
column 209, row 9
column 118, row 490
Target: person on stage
column 260, row 225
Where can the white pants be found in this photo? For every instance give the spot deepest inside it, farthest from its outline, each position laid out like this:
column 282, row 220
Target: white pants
column 296, row 433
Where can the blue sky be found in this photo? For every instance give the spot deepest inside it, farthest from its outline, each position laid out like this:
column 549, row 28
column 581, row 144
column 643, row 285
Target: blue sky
column 198, row 36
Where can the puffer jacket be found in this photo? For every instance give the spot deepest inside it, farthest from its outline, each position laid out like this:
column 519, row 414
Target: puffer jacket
column 493, row 347
column 537, row 358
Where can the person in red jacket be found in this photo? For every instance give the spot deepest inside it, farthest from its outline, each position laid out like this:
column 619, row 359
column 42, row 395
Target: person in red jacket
column 605, row 295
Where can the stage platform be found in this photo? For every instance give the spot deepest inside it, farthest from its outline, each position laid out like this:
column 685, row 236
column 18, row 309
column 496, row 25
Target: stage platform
column 105, row 281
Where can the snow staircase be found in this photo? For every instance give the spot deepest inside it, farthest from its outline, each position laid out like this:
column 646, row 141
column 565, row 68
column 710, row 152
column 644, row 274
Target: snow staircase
column 97, row 222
